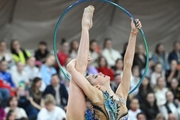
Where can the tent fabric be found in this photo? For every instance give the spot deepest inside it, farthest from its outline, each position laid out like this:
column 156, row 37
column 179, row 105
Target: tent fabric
column 31, row 21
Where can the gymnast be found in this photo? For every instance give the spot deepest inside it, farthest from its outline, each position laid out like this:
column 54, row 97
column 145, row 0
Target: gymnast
column 107, row 105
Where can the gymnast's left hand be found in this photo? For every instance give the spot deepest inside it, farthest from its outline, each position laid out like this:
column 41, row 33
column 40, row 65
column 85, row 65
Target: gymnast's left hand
column 135, row 26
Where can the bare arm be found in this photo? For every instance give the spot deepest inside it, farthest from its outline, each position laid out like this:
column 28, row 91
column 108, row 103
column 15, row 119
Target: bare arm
column 124, row 86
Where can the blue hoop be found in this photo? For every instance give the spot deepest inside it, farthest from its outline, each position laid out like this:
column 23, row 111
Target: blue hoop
column 114, row 4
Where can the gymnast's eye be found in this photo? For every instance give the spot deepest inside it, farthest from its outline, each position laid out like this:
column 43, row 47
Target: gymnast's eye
column 95, row 76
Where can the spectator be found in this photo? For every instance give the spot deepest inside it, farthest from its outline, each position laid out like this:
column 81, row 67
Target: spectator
column 74, row 45
column 116, row 82
column 31, row 70
column 41, row 53
column 150, row 107
column 36, row 94
column 4, row 75
column 93, row 53
column 150, row 68
column 4, row 95
column 47, row 69
column 11, row 115
column 172, row 73
column 158, row 72
column 109, row 53
column 63, row 52
column 174, row 55
column 160, row 92
column 171, row 116
column 140, row 57
column 175, row 89
column 118, row 68
column 4, row 55
column 12, row 105
column 144, row 88
column 18, row 53
column 2, row 112
column 160, row 56
column 171, row 106
column 141, row 116
column 103, row 67
column 160, row 116
column 19, row 74
column 58, row 90
column 51, row 112
column 134, row 109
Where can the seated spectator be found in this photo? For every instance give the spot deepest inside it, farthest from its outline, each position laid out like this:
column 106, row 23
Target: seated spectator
column 171, row 116
column 150, row 107
column 149, row 70
column 175, row 89
column 74, row 45
column 12, row 105
column 47, row 69
column 109, row 53
column 116, row 82
column 141, row 116
column 172, row 73
column 144, row 88
column 140, row 57
column 158, row 72
column 134, row 109
column 4, row 55
column 160, row 116
column 160, row 56
column 93, row 53
column 18, row 53
column 4, row 75
column 103, row 67
column 41, row 53
column 118, row 68
column 19, row 74
column 4, row 95
column 58, row 90
column 51, row 112
column 160, row 91
column 31, row 70
column 174, row 55
column 2, row 112
column 171, row 106
column 11, row 115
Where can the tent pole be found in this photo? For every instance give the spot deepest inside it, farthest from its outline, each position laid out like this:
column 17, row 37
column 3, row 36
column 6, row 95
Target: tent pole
column 12, row 11
column 113, row 13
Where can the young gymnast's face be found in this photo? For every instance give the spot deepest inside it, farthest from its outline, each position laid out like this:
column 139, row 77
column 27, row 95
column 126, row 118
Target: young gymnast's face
column 98, row 79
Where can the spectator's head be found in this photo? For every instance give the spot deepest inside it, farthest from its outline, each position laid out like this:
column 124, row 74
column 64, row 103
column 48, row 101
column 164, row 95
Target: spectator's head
column 3, row 46
column 174, row 83
column 169, row 97
column 20, row 66
column 151, row 63
column 31, row 61
column 134, row 105
column 11, row 115
column 74, row 45
column 160, row 116
column 171, row 116
column 55, row 80
column 107, row 43
column 159, row 49
column 15, row 46
column 12, row 102
column 160, row 82
column 176, row 46
column 141, row 116
column 117, row 78
column 64, row 46
column 42, row 46
column 3, row 65
column 150, row 98
column 135, row 71
column 174, row 65
column 50, row 60
column 119, row 64
column 145, row 84
column 49, row 102
column 158, row 68
column 102, row 62
column 36, row 83
column 140, row 49
column 93, row 45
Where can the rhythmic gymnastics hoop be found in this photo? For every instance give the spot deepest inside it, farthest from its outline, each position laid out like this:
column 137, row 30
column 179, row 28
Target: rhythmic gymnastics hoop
column 116, row 5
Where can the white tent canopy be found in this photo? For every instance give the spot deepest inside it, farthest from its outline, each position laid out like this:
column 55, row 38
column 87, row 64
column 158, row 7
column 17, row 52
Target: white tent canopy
column 31, row 21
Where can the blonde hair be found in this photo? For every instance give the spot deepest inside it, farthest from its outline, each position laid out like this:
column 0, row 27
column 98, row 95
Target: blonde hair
column 49, row 99
column 160, row 115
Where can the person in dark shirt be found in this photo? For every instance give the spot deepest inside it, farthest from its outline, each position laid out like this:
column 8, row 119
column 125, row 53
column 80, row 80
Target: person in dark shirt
column 175, row 88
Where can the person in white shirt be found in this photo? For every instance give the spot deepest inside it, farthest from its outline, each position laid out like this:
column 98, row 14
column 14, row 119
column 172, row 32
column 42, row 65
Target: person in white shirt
column 51, row 112
column 93, row 53
column 109, row 53
column 31, row 69
column 171, row 106
column 134, row 109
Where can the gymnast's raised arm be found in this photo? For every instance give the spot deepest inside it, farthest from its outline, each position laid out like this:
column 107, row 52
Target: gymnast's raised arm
column 124, row 87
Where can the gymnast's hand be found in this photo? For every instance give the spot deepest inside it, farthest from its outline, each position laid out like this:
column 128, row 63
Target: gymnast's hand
column 135, row 27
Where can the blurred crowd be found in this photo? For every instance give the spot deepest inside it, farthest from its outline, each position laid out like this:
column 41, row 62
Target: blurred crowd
column 32, row 87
